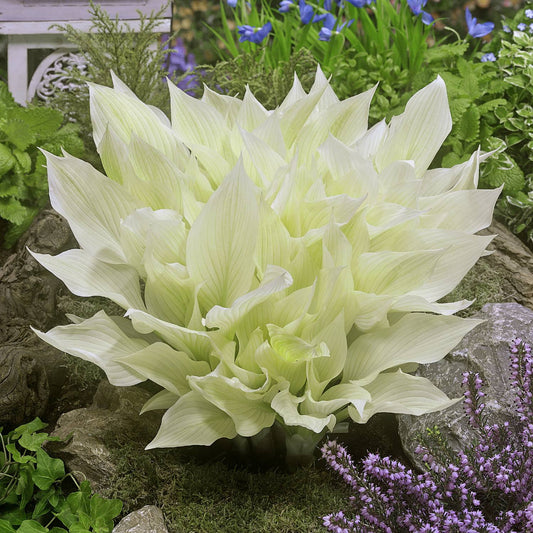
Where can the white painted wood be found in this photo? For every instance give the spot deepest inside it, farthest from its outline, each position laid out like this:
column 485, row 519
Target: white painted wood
column 65, row 10
column 45, row 27
column 29, row 25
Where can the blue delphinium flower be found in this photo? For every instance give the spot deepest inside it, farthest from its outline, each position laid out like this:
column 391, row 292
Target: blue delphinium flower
column 285, row 5
column 416, row 8
column 490, row 57
column 306, row 12
column 475, row 29
column 521, row 27
column 232, row 3
column 254, row 35
column 529, row 13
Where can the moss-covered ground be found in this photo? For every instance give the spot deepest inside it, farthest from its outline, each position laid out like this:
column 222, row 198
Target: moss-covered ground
column 202, row 496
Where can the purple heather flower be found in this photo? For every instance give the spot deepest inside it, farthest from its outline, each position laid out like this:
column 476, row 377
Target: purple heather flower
column 285, row 5
column 529, row 13
column 488, row 487
column 254, row 35
column 476, row 29
column 488, row 57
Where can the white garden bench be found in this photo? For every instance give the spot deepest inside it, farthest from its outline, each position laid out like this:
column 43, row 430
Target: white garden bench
column 27, row 25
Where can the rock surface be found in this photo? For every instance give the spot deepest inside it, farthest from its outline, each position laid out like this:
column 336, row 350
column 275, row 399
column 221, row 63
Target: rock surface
column 483, row 350
column 23, row 386
column 149, row 519
column 514, row 260
column 113, row 415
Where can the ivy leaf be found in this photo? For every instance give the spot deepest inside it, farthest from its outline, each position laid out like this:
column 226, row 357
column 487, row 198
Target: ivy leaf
column 31, row 427
column 103, row 512
column 34, row 441
column 48, row 470
column 25, row 484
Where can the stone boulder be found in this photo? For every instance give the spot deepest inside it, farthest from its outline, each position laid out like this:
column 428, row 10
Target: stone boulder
column 149, row 519
column 90, row 432
column 23, row 386
column 484, row 350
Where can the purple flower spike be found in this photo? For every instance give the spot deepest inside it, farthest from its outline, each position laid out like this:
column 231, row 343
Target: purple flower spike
column 475, row 29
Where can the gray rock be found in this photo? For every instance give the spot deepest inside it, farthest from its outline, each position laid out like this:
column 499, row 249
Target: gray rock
column 91, row 432
column 483, row 350
column 149, row 519
column 23, row 386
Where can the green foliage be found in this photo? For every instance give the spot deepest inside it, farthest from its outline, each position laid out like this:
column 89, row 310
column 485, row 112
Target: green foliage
column 382, row 27
column 23, row 184
column 357, row 72
column 32, row 499
column 269, row 86
column 136, row 57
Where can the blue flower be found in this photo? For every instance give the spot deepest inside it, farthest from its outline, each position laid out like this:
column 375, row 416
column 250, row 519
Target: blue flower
column 529, row 13
column 359, row 3
column 521, row 27
column 506, row 29
column 475, row 29
column 327, row 29
column 285, row 5
column 254, row 35
column 416, row 8
column 488, row 57
column 232, row 3
column 531, row 28
column 306, row 12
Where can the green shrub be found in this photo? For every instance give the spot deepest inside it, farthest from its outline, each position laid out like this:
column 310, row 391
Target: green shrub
column 23, row 183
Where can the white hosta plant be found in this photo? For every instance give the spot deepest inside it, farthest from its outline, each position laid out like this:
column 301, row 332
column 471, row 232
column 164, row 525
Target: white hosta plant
column 274, row 266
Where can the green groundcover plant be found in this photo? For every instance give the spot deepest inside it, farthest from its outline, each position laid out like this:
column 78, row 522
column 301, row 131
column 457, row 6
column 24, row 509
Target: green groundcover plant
column 275, row 267
column 23, row 184
column 32, row 484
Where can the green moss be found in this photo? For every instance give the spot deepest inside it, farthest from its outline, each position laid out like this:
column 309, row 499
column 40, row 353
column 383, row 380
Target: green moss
column 484, row 283
column 205, row 497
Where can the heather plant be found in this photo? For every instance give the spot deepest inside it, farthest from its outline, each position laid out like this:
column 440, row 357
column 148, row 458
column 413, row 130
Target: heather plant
column 486, row 488
column 276, row 267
